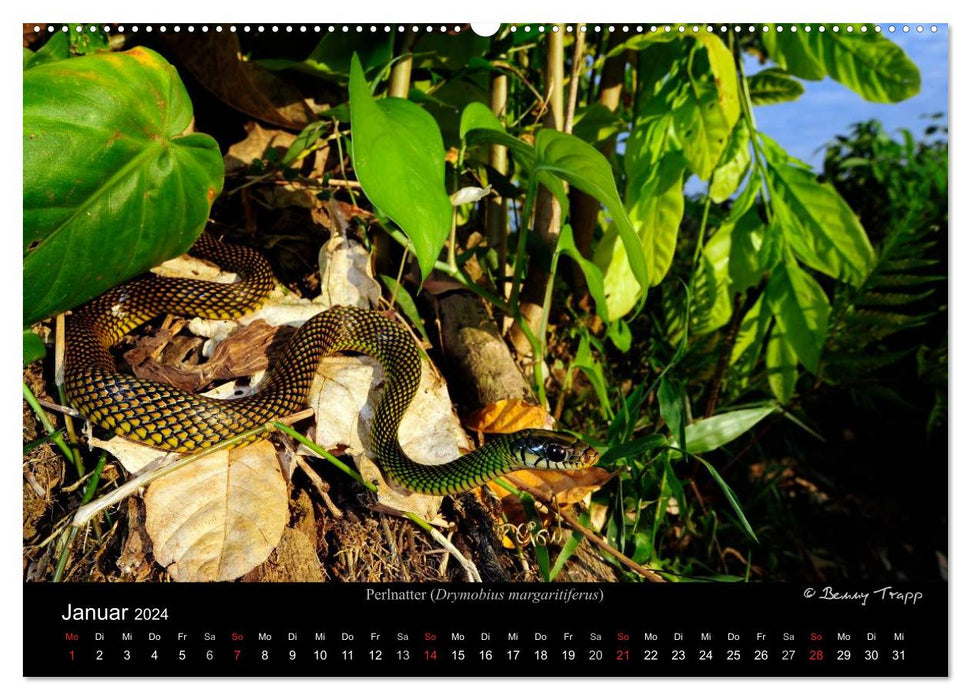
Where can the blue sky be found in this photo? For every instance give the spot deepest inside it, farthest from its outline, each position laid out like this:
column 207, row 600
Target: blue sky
column 827, row 108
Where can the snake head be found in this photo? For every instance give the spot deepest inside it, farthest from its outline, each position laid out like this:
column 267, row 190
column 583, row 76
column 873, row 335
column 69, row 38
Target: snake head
column 545, row 449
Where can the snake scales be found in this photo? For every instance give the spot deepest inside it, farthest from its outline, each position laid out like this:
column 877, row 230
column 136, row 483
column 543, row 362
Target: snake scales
column 167, row 418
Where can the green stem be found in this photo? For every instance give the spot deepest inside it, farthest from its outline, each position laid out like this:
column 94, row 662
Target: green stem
column 519, row 264
column 73, row 531
column 72, row 436
column 53, row 433
column 749, row 116
column 340, row 156
column 701, row 233
column 321, row 452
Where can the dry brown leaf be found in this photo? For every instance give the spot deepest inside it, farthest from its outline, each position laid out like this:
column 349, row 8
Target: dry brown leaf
column 257, row 144
column 214, row 60
column 508, row 416
column 219, row 517
column 567, row 486
column 433, row 286
column 345, row 274
column 242, row 354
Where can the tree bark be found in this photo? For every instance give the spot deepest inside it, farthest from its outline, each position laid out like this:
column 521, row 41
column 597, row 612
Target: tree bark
column 478, row 358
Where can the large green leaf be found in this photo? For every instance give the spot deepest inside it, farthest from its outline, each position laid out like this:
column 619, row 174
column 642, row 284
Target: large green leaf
column 867, row 63
column 772, row 86
column 822, row 229
column 399, row 159
column 801, row 310
column 864, row 61
column 584, row 167
column 792, row 54
column 750, row 336
column 111, row 188
column 656, row 213
column 744, row 269
column 707, row 111
column 702, row 128
column 713, row 304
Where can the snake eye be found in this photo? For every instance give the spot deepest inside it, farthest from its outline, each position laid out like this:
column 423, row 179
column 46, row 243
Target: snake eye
column 555, row 453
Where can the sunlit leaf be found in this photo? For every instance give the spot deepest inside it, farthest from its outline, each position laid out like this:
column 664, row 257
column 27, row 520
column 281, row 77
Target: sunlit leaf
column 868, row 63
column 111, row 187
column 399, row 159
column 656, row 213
column 597, row 123
column 772, row 86
column 733, row 166
column 584, row 167
column 822, row 229
column 478, row 116
column 791, row 52
column 801, row 310
column 702, row 128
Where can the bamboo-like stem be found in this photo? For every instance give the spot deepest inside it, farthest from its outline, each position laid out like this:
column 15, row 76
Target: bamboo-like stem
column 579, row 46
column 401, row 72
column 497, row 219
column 546, row 217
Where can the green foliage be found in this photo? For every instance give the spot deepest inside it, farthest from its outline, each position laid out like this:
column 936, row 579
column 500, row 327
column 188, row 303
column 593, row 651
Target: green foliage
column 721, row 311
column 400, row 160
column 897, row 185
column 772, row 86
column 111, row 186
column 33, row 347
column 856, row 56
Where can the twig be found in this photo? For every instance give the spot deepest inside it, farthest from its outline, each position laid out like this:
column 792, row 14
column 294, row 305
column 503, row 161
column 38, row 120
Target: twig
column 470, row 571
column 586, row 532
column 320, row 485
column 59, row 408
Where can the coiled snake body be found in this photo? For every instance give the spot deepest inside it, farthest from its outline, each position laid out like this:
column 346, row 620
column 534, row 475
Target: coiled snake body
column 167, row 418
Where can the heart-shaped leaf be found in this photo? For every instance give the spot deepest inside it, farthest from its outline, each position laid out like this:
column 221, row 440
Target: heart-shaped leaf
column 399, row 159
column 110, row 186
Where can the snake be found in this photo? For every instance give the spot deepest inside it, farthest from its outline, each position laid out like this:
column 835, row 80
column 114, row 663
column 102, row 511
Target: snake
column 167, row 418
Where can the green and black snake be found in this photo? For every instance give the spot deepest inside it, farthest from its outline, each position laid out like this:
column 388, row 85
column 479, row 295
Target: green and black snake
column 167, row 418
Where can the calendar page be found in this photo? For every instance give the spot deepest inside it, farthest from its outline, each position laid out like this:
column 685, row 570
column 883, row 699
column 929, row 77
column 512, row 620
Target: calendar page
column 541, row 349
